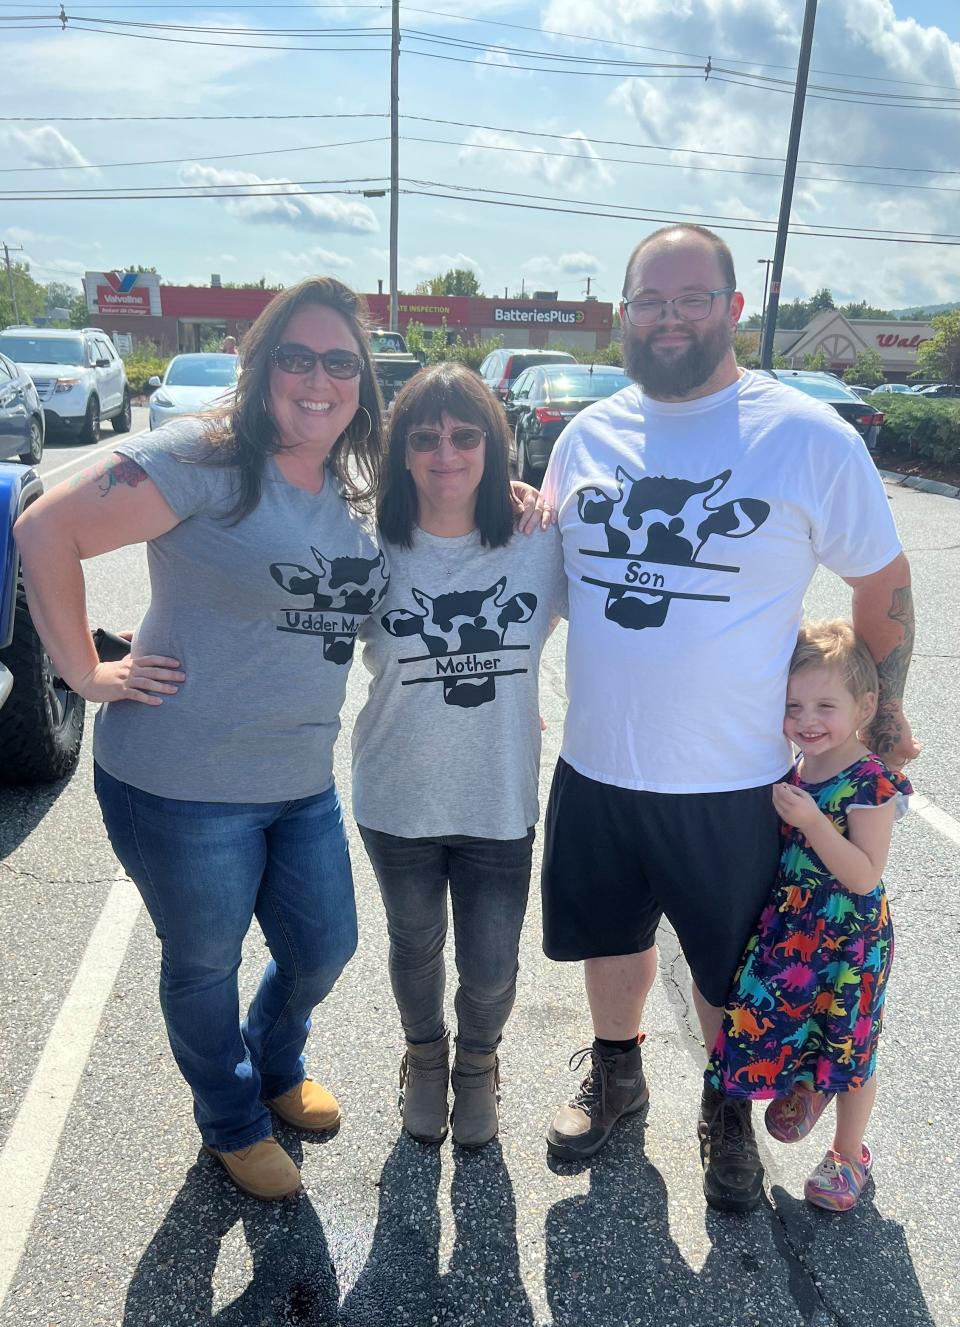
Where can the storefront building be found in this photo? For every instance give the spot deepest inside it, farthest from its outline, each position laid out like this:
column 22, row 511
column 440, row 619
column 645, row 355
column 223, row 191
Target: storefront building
column 136, row 308
column 842, row 339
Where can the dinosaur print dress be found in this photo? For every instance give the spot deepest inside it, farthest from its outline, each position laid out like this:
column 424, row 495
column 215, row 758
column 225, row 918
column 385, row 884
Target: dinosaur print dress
column 807, row 1000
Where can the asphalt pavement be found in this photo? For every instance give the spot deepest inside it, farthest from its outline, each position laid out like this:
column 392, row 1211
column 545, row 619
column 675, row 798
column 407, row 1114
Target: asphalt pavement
column 111, row 1214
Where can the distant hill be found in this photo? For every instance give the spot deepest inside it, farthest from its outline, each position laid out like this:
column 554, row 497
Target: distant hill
column 924, row 310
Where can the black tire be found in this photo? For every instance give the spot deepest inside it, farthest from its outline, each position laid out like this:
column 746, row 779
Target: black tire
column 90, row 429
column 121, row 423
column 41, row 725
column 528, row 472
column 34, row 451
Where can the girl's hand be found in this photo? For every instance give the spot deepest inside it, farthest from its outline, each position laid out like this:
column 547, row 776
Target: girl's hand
column 146, row 679
column 795, row 806
column 532, row 512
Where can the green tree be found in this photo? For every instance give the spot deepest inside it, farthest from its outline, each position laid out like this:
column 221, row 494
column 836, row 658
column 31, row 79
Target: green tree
column 31, row 298
column 817, row 362
column 821, row 300
column 746, row 347
column 940, row 356
column 866, row 369
column 863, row 310
column 458, row 281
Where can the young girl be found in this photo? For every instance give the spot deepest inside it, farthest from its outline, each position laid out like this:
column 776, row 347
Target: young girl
column 803, row 1019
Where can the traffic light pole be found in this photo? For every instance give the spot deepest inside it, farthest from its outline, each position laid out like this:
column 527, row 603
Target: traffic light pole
column 789, row 174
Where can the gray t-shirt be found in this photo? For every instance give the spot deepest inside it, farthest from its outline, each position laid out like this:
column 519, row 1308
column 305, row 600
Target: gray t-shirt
column 262, row 614
column 448, row 741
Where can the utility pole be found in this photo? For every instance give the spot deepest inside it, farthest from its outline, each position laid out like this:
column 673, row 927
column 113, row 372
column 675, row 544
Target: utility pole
column 394, row 163
column 766, row 285
column 13, row 292
column 588, row 287
column 789, row 173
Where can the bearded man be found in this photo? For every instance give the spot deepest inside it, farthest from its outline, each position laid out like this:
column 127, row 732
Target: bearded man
column 694, row 509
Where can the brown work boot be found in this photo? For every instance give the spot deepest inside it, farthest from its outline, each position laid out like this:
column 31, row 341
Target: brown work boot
column 732, row 1170
column 476, row 1092
column 263, row 1170
column 308, row 1106
column 614, row 1087
column 424, row 1075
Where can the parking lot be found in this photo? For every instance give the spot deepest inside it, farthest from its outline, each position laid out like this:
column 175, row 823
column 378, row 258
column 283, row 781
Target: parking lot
column 112, row 1215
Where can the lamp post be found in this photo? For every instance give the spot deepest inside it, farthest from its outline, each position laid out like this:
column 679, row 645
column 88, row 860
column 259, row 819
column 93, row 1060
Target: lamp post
column 766, row 283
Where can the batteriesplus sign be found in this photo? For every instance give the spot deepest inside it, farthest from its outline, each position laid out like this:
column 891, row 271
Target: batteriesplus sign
column 554, row 317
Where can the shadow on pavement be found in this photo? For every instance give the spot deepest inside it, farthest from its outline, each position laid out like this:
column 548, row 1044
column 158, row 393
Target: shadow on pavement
column 23, row 808
column 401, row 1281
column 862, row 1261
column 293, row 1279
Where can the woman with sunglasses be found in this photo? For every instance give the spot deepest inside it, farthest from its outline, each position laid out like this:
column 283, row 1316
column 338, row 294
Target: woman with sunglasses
column 446, row 750
column 213, row 748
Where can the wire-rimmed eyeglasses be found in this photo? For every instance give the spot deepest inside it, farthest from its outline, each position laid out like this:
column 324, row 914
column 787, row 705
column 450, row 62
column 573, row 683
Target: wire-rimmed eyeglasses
column 692, row 308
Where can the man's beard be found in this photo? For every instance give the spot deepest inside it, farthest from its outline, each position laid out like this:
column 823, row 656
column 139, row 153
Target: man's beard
column 676, row 377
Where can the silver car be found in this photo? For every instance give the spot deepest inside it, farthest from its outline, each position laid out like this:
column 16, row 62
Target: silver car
column 191, row 384
column 21, row 415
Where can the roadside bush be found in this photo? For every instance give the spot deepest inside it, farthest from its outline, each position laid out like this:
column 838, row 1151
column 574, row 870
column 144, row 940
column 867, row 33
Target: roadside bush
column 142, row 363
column 919, row 428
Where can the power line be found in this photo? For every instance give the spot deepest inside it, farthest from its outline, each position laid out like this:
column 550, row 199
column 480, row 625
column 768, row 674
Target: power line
column 182, row 161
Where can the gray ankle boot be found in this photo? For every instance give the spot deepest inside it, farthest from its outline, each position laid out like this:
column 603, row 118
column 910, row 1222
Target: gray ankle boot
column 424, row 1075
column 476, row 1091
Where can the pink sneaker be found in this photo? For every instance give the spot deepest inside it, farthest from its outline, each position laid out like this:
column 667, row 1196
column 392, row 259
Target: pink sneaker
column 838, row 1182
column 792, row 1117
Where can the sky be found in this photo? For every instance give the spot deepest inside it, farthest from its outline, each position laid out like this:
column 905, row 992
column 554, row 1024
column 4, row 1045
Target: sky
column 538, row 143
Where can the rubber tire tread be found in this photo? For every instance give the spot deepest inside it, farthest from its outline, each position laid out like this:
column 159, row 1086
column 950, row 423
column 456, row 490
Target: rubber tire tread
column 123, row 422
column 31, row 749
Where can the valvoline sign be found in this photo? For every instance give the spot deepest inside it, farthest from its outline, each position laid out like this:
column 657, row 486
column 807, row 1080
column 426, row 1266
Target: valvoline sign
column 136, row 293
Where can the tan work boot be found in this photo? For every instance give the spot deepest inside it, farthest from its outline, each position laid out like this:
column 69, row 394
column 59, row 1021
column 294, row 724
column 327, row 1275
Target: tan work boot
column 476, row 1090
column 308, row 1106
column 263, row 1170
column 424, row 1074
column 614, row 1087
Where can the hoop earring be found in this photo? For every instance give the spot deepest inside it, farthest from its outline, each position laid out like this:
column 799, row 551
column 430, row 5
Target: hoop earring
column 369, row 423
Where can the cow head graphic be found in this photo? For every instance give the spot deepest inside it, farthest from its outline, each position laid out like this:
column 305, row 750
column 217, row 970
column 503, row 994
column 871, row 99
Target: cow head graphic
column 341, row 585
column 461, row 629
column 664, row 522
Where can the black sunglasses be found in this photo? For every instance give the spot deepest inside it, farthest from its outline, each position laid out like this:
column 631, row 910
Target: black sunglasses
column 294, row 358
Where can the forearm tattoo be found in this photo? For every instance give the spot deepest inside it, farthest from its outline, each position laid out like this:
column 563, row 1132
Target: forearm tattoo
column 113, row 473
column 887, row 728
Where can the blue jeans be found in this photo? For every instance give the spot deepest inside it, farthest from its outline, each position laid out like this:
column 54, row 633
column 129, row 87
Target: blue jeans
column 489, row 880
column 205, row 870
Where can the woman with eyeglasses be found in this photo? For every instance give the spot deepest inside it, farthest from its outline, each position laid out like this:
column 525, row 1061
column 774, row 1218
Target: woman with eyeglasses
column 446, row 750
column 213, row 746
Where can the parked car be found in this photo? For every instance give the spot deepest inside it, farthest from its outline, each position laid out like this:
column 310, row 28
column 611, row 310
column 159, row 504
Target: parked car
column 939, row 389
column 190, row 384
column 79, row 377
column 864, row 417
column 893, row 387
column 41, row 720
column 862, row 392
column 542, row 402
column 21, row 415
column 501, row 368
column 393, row 362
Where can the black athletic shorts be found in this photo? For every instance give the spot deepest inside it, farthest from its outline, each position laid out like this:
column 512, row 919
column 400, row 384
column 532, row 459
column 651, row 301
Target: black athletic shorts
column 615, row 860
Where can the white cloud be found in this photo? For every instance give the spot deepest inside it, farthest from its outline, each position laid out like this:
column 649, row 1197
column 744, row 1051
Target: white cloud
column 579, row 264
column 317, row 260
column 427, row 265
column 573, row 164
column 291, row 207
column 45, row 146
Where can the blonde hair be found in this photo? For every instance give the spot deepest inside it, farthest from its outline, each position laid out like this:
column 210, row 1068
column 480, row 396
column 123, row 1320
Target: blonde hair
column 833, row 644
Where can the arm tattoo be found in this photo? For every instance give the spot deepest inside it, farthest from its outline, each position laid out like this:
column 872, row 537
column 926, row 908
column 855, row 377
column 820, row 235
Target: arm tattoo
column 886, row 728
column 113, row 473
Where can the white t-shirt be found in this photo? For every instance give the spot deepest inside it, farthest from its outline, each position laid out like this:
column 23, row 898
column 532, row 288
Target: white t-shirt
column 690, row 532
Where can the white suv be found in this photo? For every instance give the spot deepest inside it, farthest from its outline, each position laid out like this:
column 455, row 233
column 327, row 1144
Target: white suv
column 79, row 377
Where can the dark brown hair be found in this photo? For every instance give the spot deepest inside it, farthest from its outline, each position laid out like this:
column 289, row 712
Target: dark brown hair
column 454, row 390
column 720, row 248
column 243, row 433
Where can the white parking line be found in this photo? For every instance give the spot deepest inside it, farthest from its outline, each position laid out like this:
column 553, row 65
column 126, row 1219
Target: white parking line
column 937, row 817
column 94, row 451
column 32, row 1144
